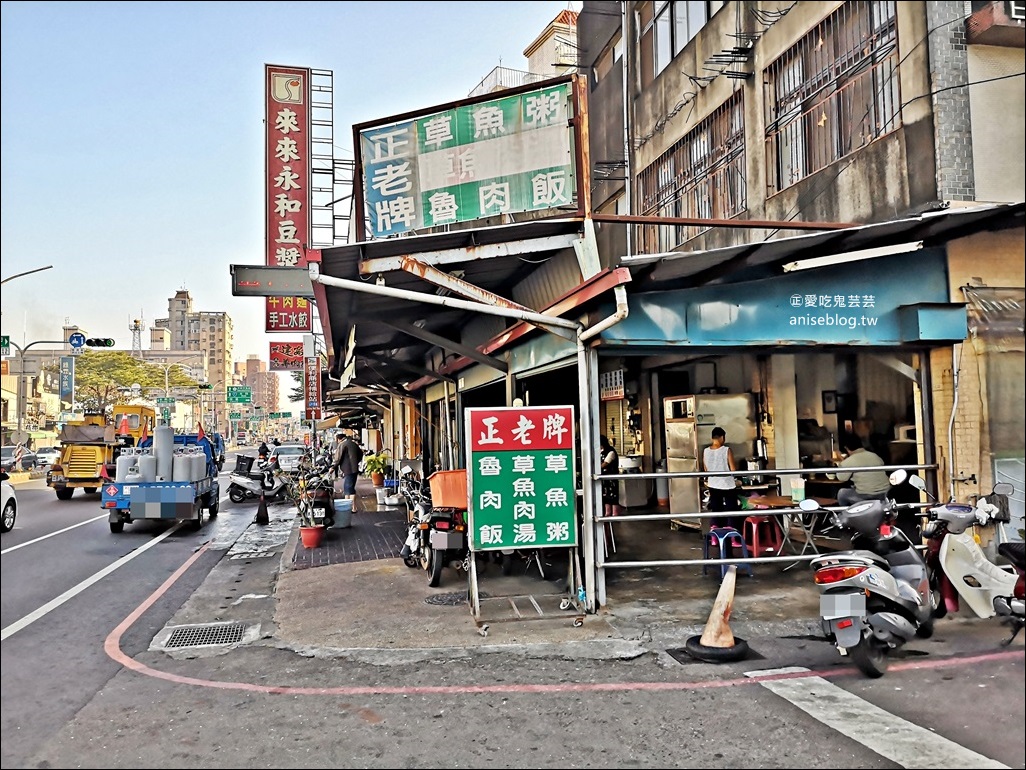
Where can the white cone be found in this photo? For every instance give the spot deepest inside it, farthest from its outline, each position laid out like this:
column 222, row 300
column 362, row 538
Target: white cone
column 717, row 632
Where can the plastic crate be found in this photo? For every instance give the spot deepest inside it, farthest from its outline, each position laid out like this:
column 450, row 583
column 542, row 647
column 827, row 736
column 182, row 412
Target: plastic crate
column 243, row 464
column 448, row 489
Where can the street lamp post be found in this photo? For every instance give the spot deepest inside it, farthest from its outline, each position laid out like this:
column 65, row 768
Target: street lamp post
column 167, row 377
column 20, row 437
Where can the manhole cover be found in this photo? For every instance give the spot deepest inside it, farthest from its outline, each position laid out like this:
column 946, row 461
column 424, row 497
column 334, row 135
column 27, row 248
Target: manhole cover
column 454, row 599
column 205, row 636
column 681, row 655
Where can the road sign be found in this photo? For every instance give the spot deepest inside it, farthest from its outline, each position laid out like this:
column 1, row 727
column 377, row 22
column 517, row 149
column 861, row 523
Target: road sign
column 235, row 415
column 165, row 413
column 5, row 345
column 239, row 394
column 165, row 400
column 280, row 415
column 77, row 340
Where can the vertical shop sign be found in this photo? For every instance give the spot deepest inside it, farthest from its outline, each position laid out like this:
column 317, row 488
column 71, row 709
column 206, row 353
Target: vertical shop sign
column 521, row 479
column 286, row 357
column 67, row 386
column 312, row 387
column 288, row 169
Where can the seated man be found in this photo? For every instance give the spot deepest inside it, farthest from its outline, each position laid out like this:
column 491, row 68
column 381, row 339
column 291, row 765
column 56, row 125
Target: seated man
column 867, row 485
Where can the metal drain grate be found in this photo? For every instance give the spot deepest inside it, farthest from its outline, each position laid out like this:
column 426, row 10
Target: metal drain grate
column 454, row 599
column 205, row 636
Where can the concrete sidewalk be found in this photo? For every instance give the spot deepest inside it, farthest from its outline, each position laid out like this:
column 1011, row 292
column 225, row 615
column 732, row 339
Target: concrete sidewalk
column 354, row 596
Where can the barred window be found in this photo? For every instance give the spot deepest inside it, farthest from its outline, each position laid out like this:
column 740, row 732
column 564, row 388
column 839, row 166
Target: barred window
column 832, row 93
column 666, row 27
column 702, row 175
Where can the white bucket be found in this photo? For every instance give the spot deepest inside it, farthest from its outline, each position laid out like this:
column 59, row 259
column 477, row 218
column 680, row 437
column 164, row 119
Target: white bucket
column 797, row 490
column 343, row 513
column 382, row 494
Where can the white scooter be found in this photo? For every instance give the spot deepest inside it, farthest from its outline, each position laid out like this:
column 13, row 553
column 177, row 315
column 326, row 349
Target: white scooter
column 265, row 481
column 960, row 569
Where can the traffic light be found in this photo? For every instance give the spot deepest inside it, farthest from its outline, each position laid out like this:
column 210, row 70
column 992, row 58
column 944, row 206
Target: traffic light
column 206, row 386
column 99, row 342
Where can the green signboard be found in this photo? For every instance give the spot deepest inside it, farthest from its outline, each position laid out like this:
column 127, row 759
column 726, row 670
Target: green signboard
column 5, row 345
column 235, row 415
column 280, row 415
column 239, row 394
column 521, row 477
column 488, row 158
column 165, row 400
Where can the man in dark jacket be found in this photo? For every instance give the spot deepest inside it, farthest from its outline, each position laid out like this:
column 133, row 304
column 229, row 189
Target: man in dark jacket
column 346, row 462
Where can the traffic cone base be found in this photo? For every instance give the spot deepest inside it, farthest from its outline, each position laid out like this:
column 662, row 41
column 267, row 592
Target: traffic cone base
column 261, row 513
column 717, row 644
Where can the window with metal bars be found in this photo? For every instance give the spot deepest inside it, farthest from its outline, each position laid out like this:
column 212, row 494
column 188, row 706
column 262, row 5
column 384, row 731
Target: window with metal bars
column 832, row 93
column 702, row 175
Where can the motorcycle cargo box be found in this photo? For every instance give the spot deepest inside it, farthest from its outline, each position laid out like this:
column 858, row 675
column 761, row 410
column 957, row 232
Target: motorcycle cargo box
column 243, row 464
column 448, row 489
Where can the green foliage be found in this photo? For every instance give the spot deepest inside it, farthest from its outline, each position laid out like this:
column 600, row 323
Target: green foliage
column 375, row 463
column 297, row 393
column 101, row 376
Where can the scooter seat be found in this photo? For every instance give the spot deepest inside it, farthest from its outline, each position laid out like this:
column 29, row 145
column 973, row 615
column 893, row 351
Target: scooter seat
column 876, row 558
column 1014, row 552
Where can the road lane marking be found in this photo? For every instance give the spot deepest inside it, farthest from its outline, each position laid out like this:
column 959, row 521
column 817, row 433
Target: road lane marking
column 52, row 534
column 888, row 735
column 74, row 591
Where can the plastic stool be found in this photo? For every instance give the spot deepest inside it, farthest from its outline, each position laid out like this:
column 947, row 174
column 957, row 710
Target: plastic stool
column 723, row 538
column 762, row 535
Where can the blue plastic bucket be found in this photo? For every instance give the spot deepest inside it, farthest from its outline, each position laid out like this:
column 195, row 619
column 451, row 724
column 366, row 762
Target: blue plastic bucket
column 343, row 514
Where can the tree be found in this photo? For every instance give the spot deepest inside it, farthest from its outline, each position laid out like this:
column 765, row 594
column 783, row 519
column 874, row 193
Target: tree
column 298, row 392
column 101, row 376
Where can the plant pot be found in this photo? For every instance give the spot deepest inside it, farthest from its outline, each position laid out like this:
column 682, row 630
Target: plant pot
column 312, row 537
column 378, row 479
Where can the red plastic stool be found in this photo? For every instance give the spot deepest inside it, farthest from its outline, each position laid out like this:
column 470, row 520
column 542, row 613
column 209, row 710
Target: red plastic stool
column 762, row 535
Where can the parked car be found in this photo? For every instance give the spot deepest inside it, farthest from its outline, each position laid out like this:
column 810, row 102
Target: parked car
column 48, row 455
column 289, row 456
column 28, row 459
column 10, row 504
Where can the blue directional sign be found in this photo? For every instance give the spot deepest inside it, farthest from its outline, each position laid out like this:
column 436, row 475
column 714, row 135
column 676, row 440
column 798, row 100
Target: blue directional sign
column 76, row 340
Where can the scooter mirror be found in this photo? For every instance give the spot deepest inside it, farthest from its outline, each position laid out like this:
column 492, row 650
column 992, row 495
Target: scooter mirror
column 917, row 482
column 1004, row 488
column 897, row 477
column 808, row 505
column 407, row 469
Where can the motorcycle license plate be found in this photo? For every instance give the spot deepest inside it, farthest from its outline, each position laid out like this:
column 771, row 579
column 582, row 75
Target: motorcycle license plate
column 842, row 606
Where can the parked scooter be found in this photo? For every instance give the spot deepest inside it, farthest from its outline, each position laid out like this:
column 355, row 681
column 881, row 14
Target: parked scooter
column 960, row 568
column 876, row 598
column 417, row 495
column 264, row 480
column 447, row 543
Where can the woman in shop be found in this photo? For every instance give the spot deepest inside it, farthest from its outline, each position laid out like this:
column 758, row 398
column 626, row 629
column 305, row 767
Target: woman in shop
column 611, row 488
column 717, row 458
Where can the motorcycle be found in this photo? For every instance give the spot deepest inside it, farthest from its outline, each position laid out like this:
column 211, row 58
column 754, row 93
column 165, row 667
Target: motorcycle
column 266, row 481
column 447, row 543
column 417, row 496
column 873, row 599
column 960, row 568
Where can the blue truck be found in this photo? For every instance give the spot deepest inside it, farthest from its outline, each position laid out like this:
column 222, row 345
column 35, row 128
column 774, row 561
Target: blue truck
column 134, row 498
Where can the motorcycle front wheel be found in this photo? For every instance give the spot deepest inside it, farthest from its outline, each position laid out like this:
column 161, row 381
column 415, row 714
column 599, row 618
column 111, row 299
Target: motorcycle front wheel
column 870, row 655
column 236, row 495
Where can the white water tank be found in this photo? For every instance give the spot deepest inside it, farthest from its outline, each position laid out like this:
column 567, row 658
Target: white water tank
column 181, row 469
column 148, row 466
column 163, row 450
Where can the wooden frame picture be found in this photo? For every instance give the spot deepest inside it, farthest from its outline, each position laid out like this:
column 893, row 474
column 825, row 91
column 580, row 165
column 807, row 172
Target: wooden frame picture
column 829, row 402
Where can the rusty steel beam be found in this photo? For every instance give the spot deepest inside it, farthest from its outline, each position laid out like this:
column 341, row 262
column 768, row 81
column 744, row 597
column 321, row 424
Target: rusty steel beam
column 760, row 224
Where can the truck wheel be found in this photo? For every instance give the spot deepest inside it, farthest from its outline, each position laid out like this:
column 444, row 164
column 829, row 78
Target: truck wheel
column 117, row 527
column 197, row 509
column 89, row 490
column 64, row 493
column 213, row 504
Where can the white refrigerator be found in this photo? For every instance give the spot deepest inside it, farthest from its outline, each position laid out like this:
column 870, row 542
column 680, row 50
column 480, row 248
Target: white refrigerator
column 688, row 422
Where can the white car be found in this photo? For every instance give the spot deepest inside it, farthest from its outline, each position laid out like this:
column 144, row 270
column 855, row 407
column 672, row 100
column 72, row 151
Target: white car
column 289, row 456
column 10, row 503
column 48, row 455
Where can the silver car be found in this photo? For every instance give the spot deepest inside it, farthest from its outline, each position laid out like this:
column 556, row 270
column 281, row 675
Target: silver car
column 289, row 456
column 48, row 455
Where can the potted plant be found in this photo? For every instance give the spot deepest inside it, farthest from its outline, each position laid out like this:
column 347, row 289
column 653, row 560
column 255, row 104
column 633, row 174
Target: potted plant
column 311, row 531
column 375, row 466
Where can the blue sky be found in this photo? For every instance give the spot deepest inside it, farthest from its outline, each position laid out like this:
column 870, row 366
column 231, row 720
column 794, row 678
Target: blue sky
column 132, row 138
